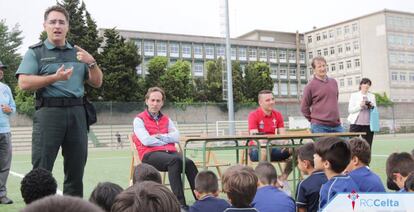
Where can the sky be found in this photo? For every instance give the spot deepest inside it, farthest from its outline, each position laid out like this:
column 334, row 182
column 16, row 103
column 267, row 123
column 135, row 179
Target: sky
column 200, row 17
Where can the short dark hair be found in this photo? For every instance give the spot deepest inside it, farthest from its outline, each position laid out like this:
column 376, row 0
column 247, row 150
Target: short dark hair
column 146, row 172
column 241, row 187
column 263, row 92
column 360, row 149
column 61, row 203
column 37, row 184
column 206, row 182
column 56, row 8
column 147, row 196
column 306, row 152
column 155, row 89
column 409, row 182
column 266, row 173
column 317, row 58
column 365, row 81
column 104, row 195
column 336, row 151
column 402, row 163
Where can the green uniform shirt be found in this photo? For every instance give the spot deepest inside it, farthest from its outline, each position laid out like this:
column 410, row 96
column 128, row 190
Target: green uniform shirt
column 45, row 59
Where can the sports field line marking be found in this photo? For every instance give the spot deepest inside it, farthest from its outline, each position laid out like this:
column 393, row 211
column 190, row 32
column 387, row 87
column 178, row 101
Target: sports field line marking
column 375, row 155
column 26, row 161
column 59, row 192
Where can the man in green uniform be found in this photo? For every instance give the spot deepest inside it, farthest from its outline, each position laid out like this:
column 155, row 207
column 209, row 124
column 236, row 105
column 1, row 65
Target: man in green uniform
column 56, row 70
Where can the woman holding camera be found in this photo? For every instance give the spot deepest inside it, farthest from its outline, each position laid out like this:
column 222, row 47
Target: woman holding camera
column 360, row 105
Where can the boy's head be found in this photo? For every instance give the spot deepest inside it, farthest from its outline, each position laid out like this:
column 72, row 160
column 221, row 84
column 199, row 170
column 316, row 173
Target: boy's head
column 409, row 183
column 305, row 157
column 360, row 153
column 240, row 186
column 146, row 196
column 398, row 167
column 104, row 195
column 333, row 154
column 206, row 182
column 266, row 173
column 37, row 184
column 232, row 169
column 61, row 204
column 146, row 172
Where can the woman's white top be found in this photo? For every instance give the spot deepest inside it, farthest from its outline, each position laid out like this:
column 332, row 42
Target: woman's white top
column 354, row 106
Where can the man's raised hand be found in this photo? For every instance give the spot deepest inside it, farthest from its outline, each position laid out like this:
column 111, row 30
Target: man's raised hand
column 83, row 56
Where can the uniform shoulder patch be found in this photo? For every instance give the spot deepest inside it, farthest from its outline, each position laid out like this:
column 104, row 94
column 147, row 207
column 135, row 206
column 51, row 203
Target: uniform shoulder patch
column 36, row 45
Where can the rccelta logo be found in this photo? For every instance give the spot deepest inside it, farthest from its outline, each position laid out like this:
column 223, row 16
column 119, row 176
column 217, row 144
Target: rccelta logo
column 353, row 196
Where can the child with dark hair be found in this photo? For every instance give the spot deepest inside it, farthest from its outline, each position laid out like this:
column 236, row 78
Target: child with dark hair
column 37, row 184
column 146, row 172
column 206, row 190
column 398, row 167
column 307, row 193
column 333, row 155
column 240, row 185
column 268, row 197
column 104, row 195
column 147, row 196
column 358, row 169
column 62, row 204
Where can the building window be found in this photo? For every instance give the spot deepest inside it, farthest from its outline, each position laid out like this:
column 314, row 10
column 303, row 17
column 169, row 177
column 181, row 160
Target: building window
column 346, row 30
column 220, row 51
column 186, row 48
column 331, row 33
column 149, row 48
column 242, row 54
column 263, row 54
column 209, row 50
column 341, row 82
column 356, row 45
column 410, row 39
column 284, row 89
column 273, row 70
column 394, row 76
column 411, row 77
column 318, row 37
column 302, row 73
column 310, row 39
column 354, row 27
column 332, row 50
column 319, row 52
column 357, row 63
column 302, row 57
column 410, row 58
column 272, row 55
column 340, row 50
column 349, row 81
column 347, row 47
column 161, row 48
column 393, row 58
column 174, row 50
column 283, row 73
column 357, row 80
column 198, row 69
column 324, row 35
column 310, row 55
column 401, row 58
column 282, row 56
column 402, row 76
column 293, row 89
column 233, row 53
column 292, row 56
column 252, row 54
column 339, row 31
column 325, row 52
column 348, row 64
column 333, row 67
column 138, row 44
column 275, row 89
column 292, row 73
column 341, row 65
column 198, row 51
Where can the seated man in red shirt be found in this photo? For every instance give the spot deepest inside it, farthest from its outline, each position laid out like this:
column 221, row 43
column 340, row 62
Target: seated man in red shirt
column 267, row 121
column 155, row 136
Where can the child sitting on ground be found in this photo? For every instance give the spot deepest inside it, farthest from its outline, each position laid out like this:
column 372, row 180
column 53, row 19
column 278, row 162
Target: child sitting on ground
column 358, row 169
column 398, row 167
column 333, row 156
column 307, row 193
column 268, row 197
column 206, row 191
column 104, row 195
column 146, row 172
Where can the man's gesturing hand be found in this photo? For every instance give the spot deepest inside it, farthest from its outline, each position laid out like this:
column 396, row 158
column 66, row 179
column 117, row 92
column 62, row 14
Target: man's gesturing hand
column 63, row 74
column 83, row 56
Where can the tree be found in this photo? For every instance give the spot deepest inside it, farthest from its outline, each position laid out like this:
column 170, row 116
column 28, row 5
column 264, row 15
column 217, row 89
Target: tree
column 119, row 59
column 10, row 41
column 214, row 80
column 177, row 82
column 77, row 29
column 383, row 100
column 257, row 78
column 156, row 68
column 238, row 84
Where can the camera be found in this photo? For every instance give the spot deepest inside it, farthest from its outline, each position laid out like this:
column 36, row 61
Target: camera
column 369, row 104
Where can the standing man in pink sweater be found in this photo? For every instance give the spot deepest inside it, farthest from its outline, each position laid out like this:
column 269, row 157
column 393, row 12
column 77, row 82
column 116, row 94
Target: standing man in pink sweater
column 320, row 100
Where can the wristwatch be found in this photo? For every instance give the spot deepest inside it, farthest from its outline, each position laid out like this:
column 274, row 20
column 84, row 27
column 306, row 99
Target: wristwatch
column 92, row 65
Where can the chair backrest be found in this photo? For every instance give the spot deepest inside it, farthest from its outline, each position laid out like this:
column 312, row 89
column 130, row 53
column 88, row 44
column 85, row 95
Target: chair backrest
column 134, row 151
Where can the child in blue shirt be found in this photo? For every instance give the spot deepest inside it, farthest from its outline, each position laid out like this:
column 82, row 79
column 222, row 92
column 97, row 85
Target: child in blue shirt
column 398, row 167
column 268, row 197
column 333, row 154
column 206, row 191
column 307, row 193
column 358, row 169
